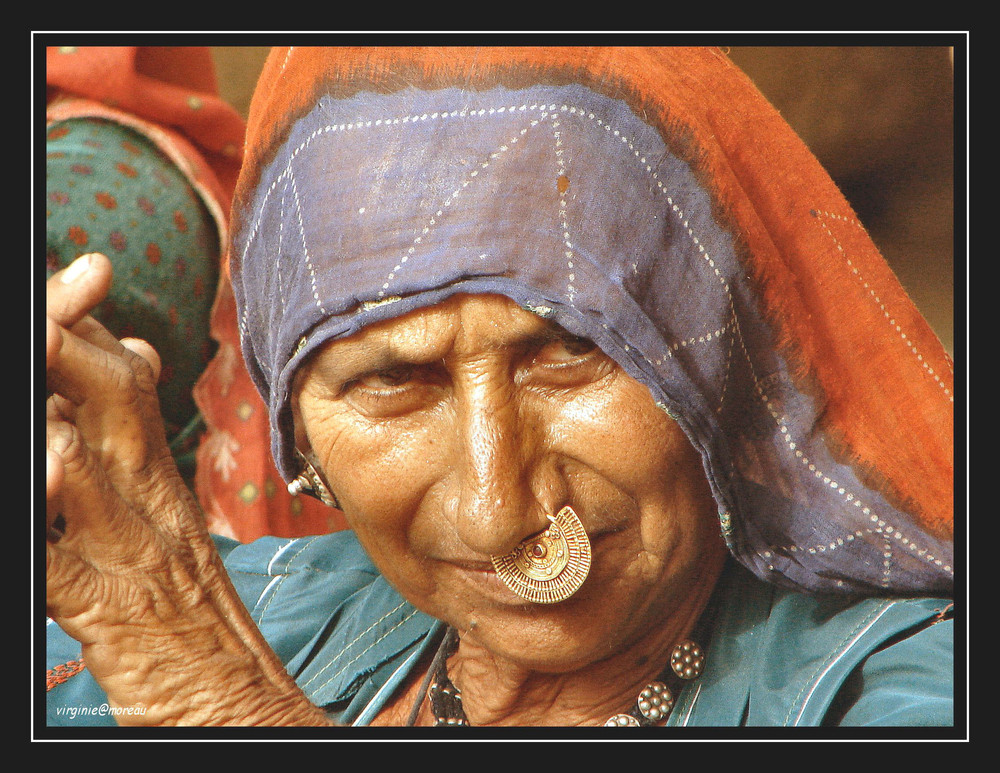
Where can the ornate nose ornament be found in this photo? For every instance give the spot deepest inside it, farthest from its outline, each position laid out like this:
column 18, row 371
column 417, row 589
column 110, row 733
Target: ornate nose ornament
column 548, row 567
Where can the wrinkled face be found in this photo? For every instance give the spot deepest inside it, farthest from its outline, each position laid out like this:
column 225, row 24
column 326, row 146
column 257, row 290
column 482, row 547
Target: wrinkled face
column 450, row 433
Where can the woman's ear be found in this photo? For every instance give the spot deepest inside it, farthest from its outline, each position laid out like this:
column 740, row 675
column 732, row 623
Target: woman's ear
column 311, row 479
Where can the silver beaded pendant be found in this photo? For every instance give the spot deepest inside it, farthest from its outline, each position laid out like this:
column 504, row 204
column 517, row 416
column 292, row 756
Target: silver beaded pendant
column 687, row 660
column 622, row 720
column 655, row 702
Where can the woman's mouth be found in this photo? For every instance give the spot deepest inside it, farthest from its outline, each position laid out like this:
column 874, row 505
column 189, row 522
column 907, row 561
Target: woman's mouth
column 482, row 575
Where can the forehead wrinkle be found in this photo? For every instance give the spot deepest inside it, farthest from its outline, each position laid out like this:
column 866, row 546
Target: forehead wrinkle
column 462, row 326
column 492, row 324
column 465, row 326
column 423, row 336
column 411, row 339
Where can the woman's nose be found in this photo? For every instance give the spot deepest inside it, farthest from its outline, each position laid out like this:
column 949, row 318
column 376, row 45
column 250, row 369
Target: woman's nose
column 501, row 486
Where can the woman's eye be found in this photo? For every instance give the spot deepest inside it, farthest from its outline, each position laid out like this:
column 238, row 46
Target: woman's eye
column 565, row 350
column 567, row 362
column 394, row 377
column 393, row 392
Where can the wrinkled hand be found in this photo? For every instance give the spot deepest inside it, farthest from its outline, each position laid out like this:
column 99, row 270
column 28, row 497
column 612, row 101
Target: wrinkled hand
column 131, row 570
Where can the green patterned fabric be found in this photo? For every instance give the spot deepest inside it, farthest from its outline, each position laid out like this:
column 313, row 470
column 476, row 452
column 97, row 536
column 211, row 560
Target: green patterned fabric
column 111, row 190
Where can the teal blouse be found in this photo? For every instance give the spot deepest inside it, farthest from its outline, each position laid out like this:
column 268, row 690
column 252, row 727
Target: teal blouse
column 775, row 658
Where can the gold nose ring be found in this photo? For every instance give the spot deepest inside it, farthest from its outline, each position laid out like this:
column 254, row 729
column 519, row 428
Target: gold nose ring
column 550, row 566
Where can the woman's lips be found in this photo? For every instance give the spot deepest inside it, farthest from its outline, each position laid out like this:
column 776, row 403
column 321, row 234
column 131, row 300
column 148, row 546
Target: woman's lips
column 483, row 578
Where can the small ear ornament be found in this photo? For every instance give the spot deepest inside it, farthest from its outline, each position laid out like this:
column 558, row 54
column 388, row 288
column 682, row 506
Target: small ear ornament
column 310, row 482
column 548, row 567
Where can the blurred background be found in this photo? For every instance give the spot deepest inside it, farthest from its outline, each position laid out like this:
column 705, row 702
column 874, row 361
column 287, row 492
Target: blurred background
column 880, row 119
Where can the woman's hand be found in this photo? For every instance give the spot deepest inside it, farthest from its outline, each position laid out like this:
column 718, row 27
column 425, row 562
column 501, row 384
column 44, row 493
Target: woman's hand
column 131, row 570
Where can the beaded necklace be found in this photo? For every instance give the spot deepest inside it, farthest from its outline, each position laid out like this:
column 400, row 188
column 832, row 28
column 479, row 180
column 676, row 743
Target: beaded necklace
column 652, row 706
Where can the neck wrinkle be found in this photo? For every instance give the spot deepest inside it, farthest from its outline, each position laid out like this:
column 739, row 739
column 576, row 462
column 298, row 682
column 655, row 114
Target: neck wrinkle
column 496, row 692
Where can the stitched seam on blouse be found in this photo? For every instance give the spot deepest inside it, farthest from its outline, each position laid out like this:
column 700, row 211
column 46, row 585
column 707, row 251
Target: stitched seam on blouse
column 846, row 645
column 299, row 570
column 278, row 552
column 389, row 685
column 357, row 657
column 263, row 593
column 281, row 577
column 360, row 636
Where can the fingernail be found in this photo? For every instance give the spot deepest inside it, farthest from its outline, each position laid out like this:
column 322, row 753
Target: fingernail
column 76, row 269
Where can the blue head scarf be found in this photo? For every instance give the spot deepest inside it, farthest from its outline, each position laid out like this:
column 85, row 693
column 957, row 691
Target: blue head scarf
column 663, row 223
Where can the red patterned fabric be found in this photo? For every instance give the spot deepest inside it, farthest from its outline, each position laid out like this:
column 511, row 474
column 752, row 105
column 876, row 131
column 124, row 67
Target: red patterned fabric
column 166, row 89
column 237, row 483
column 61, row 673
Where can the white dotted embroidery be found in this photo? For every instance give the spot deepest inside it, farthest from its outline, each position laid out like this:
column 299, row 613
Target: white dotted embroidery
column 563, row 218
column 361, row 654
column 288, row 56
column 305, row 247
column 281, row 234
column 886, row 562
column 465, row 183
column 729, row 362
column 831, row 484
column 878, row 301
column 544, row 111
column 732, row 325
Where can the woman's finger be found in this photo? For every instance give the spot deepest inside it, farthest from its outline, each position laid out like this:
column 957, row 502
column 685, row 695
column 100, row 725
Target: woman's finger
column 93, row 332
column 54, row 476
column 58, row 408
column 111, row 401
column 65, row 459
column 145, row 350
column 53, row 340
column 97, row 520
column 85, row 371
column 105, row 548
column 70, row 294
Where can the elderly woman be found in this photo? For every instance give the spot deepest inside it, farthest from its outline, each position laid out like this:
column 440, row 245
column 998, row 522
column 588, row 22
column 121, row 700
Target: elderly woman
column 630, row 422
